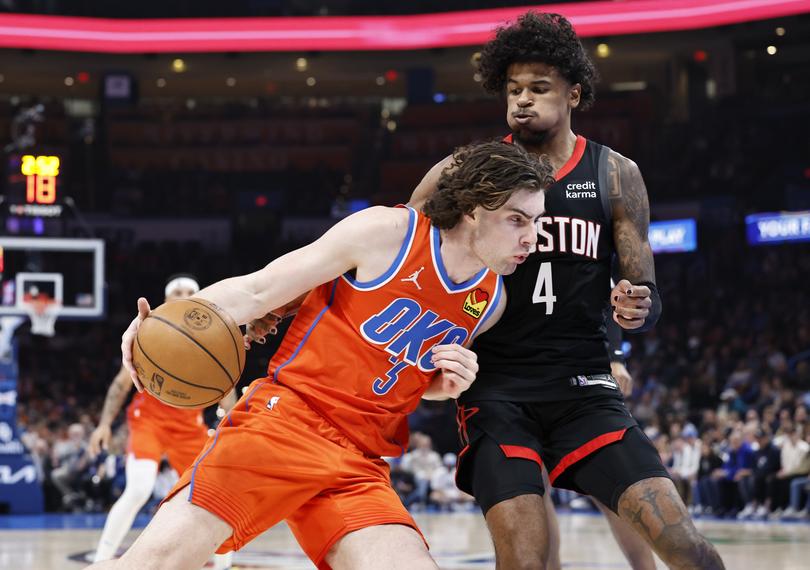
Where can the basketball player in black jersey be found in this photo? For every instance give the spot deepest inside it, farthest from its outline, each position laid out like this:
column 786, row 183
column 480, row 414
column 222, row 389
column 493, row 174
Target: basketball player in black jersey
column 544, row 394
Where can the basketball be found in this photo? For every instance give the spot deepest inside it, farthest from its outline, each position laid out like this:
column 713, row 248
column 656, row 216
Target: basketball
column 188, row 353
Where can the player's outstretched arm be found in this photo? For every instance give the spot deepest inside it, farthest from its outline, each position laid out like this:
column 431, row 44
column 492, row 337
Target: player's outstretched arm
column 363, row 241
column 116, row 395
column 635, row 298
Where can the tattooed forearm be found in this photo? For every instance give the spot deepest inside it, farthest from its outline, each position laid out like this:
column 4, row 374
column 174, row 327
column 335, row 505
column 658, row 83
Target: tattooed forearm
column 631, row 219
column 116, row 395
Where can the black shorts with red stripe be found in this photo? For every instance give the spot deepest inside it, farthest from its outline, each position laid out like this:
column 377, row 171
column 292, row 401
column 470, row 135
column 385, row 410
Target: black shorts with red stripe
column 591, row 445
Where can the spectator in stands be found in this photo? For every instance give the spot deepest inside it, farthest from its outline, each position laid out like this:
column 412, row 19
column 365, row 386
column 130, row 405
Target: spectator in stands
column 422, row 462
column 738, row 462
column 708, row 492
column 443, row 490
column 70, row 463
column 794, row 450
column 766, row 465
column 686, row 462
column 799, row 480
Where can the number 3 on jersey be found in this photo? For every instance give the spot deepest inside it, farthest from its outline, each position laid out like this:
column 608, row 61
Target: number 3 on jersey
column 543, row 289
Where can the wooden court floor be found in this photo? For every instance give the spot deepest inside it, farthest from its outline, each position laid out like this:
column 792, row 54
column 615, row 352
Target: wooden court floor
column 458, row 541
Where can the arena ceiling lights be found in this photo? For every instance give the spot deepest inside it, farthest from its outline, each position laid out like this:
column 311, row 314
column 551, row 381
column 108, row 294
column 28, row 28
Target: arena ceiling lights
column 449, row 29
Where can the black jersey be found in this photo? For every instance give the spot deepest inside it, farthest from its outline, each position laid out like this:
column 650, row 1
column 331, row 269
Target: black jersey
column 553, row 327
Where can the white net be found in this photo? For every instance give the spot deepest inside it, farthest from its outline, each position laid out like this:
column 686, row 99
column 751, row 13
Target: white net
column 43, row 314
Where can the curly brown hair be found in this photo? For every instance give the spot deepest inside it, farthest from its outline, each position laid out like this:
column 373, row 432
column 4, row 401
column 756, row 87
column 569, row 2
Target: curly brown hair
column 539, row 37
column 485, row 174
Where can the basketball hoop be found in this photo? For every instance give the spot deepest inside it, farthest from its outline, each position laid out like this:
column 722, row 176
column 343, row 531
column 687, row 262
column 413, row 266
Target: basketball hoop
column 43, row 311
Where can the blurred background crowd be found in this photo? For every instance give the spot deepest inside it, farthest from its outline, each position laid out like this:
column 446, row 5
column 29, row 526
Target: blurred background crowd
column 721, row 386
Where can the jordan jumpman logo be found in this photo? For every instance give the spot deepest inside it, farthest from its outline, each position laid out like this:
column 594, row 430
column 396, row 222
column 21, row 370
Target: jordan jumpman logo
column 414, row 277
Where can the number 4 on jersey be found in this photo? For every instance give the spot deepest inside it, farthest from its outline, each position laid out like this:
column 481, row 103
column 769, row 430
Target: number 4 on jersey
column 543, row 289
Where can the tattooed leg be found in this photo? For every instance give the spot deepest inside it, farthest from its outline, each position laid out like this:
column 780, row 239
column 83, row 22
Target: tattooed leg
column 654, row 508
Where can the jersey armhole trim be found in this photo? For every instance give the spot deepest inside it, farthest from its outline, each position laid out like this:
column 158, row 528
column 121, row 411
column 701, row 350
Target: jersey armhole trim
column 395, row 266
column 602, row 181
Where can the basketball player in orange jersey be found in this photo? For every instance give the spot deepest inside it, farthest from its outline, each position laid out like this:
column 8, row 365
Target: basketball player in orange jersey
column 155, row 431
column 395, row 296
column 544, row 395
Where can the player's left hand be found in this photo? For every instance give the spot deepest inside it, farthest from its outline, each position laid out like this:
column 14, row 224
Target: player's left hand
column 622, row 375
column 257, row 329
column 458, row 366
column 631, row 304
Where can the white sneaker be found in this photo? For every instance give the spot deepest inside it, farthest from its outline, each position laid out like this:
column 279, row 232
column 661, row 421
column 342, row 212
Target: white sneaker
column 789, row 514
column 775, row 515
column 762, row 512
column 746, row 512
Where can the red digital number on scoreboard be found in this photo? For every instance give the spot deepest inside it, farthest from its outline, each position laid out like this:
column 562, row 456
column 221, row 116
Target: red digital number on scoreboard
column 40, row 173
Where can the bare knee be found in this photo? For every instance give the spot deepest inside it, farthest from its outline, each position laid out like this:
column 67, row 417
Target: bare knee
column 181, row 536
column 520, row 533
column 683, row 547
column 656, row 511
column 390, row 546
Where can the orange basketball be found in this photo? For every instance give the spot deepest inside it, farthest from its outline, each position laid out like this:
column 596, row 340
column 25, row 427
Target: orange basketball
column 189, row 353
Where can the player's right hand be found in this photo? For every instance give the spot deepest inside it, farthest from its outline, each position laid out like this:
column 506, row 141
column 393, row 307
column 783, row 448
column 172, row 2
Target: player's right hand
column 257, row 329
column 99, row 439
column 128, row 340
column 458, row 366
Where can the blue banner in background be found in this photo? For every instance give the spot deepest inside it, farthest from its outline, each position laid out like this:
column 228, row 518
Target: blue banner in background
column 777, row 227
column 20, row 487
column 673, row 236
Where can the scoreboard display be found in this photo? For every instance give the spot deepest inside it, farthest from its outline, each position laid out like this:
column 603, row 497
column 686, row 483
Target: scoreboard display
column 33, row 185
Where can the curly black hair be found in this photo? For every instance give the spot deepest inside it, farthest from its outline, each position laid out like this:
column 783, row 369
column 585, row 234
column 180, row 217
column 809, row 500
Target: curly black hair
column 538, row 37
column 485, row 174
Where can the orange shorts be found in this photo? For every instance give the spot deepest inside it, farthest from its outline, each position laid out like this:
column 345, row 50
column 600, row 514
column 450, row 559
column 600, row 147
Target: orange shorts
column 274, row 458
column 151, row 438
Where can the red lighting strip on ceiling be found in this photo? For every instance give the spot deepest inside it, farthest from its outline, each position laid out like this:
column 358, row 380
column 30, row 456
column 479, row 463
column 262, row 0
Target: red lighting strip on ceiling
column 333, row 33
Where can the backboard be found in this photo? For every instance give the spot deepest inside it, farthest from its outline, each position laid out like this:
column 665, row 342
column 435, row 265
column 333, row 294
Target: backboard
column 67, row 270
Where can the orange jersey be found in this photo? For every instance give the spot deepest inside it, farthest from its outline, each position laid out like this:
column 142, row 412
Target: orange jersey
column 359, row 353
column 147, row 407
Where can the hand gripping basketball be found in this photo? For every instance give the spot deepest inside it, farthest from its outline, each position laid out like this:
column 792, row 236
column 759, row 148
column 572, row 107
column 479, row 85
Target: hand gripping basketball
column 187, row 353
column 128, row 341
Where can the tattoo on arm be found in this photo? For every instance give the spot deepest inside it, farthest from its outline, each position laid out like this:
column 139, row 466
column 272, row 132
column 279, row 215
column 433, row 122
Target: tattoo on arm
column 613, row 177
column 631, row 219
column 116, row 395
